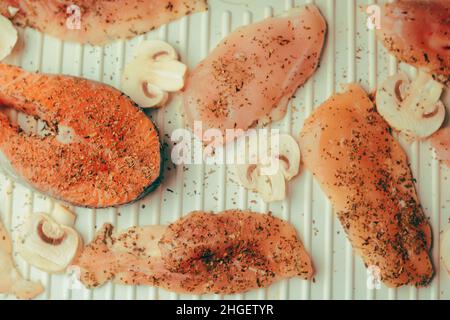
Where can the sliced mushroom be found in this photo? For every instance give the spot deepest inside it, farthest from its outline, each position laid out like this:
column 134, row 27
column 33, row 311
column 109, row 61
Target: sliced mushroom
column 11, row 281
column 272, row 187
column 248, row 175
column 167, row 74
column 153, row 73
column 289, row 156
column 63, row 216
column 156, row 50
column 46, row 243
column 8, row 37
column 135, row 85
column 445, row 249
column 413, row 108
column 269, row 180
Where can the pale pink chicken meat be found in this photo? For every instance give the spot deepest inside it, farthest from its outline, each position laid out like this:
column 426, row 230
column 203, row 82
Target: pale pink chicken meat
column 100, row 20
column 229, row 252
column 418, row 32
column 364, row 171
column 251, row 75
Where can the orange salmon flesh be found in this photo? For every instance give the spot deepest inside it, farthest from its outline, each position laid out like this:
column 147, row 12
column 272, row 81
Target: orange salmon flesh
column 98, row 150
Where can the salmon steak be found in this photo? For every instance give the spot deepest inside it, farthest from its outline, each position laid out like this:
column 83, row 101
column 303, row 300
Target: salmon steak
column 224, row 253
column 250, row 77
column 418, row 32
column 97, row 21
column 348, row 148
column 93, row 147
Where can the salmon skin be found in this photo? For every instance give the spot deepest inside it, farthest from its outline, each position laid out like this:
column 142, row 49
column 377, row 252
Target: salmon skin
column 95, row 148
column 418, row 32
column 98, row 21
column 348, row 147
column 253, row 73
column 224, row 253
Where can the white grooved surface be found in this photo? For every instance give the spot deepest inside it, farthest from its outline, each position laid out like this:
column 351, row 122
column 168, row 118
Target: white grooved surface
column 351, row 54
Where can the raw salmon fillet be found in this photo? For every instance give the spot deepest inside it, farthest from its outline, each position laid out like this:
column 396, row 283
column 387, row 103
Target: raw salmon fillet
column 251, row 75
column 100, row 20
column 348, row 147
column 418, row 32
column 224, row 253
column 97, row 149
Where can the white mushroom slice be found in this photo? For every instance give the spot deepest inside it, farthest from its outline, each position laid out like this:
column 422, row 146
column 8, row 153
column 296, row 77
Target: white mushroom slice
column 63, row 216
column 154, row 73
column 11, row 281
column 155, row 91
column 289, row 154
column 167, row 75
column 413, row 107
column 156, row 50
column 47, row 244
column 272, row 188
column 135, row 85
column 270, row 184
column 248, row 175
column 8, row 37
column 445, row 249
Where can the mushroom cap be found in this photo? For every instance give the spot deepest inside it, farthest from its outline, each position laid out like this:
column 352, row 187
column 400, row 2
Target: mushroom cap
column 153, row 73
column 413, row 107
column 47, row 244
column 267, row 170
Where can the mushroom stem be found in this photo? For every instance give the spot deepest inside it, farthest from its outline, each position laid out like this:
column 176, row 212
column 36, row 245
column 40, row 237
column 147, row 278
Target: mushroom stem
column 49, row 233
column 413, row 108
column 46, row 244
